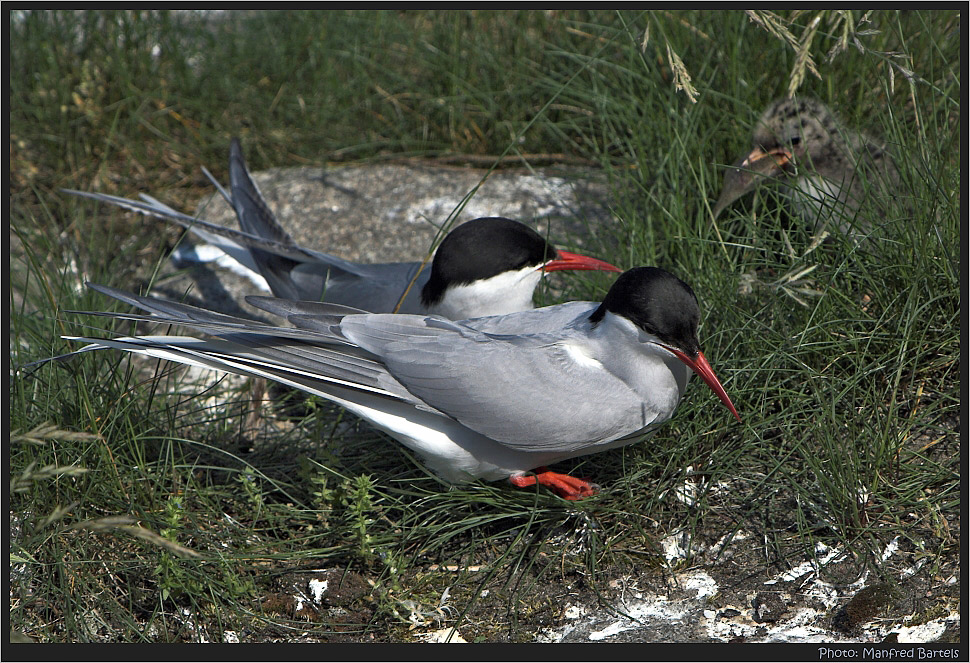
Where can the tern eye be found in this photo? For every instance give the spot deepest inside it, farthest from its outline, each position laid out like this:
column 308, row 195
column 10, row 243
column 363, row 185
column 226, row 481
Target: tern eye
column 795, row 140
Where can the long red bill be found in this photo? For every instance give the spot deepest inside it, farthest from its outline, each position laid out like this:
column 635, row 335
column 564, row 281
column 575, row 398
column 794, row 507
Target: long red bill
column 574, row 261
column 703, row 369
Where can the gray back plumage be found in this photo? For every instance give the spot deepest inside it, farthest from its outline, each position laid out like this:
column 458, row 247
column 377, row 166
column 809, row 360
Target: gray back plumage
column 521, row 390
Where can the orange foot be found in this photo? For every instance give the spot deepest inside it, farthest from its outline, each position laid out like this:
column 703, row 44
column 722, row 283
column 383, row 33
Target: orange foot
column 565, row 486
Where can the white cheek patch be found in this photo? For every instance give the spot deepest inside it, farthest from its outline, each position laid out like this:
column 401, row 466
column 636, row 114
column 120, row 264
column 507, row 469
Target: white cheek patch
column 508, row 292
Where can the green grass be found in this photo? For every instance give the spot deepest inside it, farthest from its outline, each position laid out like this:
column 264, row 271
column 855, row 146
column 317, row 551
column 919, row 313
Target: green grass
column 849, row 394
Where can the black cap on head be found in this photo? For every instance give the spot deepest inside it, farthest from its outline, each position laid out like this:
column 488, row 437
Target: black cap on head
column 657, row 302
column 481, row 249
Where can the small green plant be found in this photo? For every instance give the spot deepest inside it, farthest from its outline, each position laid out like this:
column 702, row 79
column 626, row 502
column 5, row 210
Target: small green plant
column 252, row 489
column 358, row 505
column 173, row 579
column 236, row 585
column 351, row 504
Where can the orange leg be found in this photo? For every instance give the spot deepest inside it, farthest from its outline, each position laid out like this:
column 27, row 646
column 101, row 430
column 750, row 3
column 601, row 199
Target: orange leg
column 565, row 486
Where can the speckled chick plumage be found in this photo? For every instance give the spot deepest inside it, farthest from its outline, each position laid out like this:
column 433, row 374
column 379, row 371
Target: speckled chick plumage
column 831, row 169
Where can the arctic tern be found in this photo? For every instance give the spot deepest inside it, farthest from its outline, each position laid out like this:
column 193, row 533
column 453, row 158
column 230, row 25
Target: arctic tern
column 491, row 398
column 486, row 266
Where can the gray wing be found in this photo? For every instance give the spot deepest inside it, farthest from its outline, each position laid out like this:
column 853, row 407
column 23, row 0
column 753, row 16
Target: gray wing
column 477, row 371
column 312, row 275
column 323, row 356
column 525, row 392
column 374, row 288
column 287, row 307
column 339, row 383
column 231, row 241
column 536, row 321
column 256, row 218
column 307, row 315
column 167, row 312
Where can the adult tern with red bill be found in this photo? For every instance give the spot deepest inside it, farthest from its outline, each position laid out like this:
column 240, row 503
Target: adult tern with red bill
column 487, row 266
column 488, row 398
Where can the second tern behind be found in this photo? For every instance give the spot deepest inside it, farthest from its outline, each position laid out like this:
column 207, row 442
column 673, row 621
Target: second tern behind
column 487, row 266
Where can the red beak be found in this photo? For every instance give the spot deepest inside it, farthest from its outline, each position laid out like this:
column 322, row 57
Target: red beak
column 703, row 369
column 763, row 162
column 566, row 261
